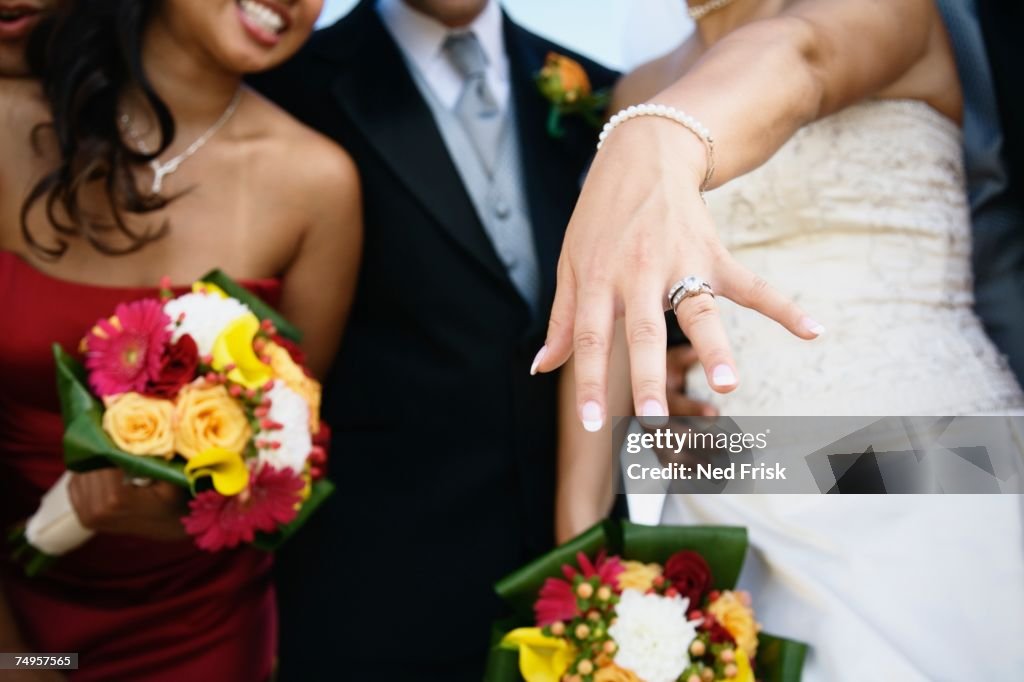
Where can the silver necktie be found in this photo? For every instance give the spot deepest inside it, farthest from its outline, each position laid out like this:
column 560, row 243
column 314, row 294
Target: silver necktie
column 477, row 107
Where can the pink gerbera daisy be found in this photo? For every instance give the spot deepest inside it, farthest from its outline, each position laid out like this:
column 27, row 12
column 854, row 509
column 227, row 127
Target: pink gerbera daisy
column 220, row 522
column 557, row 598
column 125, row 352
column 556, row 602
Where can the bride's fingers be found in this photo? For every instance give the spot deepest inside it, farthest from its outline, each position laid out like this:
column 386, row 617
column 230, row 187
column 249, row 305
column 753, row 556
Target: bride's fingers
column 698, row 317
column 592, row 343
column 742, row 286
column 558, row 344
column 646, row 337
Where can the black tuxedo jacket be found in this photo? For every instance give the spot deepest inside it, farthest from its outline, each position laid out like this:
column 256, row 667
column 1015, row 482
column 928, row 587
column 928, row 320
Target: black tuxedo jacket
column 443, row 445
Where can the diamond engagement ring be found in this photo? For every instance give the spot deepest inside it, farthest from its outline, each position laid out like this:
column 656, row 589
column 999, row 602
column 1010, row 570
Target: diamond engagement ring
column 687, row 287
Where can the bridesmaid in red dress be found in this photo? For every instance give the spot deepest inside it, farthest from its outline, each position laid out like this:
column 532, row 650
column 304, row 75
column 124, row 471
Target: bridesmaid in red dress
column 87, row 221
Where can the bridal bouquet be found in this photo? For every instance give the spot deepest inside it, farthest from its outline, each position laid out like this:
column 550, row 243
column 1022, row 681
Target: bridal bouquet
column 664, row 614
column 205, row 390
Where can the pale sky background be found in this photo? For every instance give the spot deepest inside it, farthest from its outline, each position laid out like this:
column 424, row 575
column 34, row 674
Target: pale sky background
column 619, row 33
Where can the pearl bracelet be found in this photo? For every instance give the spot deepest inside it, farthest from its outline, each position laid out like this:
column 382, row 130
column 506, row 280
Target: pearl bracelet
column 673, row 114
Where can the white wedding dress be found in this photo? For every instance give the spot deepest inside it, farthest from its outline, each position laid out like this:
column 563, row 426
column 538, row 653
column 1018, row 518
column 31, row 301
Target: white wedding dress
column 862, row 218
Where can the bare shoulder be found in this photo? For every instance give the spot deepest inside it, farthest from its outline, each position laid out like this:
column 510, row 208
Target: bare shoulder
column 310, row 165
column 647, row 80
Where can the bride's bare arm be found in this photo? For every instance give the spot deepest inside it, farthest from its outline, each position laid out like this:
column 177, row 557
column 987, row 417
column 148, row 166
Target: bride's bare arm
column 640, row 224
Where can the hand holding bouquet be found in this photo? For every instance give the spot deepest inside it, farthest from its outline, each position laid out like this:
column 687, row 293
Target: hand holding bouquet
column 205, row 390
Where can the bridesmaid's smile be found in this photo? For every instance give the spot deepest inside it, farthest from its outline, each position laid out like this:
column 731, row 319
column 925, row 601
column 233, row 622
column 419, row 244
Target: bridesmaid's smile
column 264, row 21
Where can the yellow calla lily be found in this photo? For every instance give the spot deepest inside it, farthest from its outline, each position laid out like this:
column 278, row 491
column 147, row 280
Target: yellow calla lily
column 541, row 658
column 744, row 673
column 234, row 347
column 208, row 288
column 226, row 468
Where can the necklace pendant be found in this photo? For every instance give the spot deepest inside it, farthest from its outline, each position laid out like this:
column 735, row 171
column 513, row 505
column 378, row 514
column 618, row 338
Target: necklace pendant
column 158, row 175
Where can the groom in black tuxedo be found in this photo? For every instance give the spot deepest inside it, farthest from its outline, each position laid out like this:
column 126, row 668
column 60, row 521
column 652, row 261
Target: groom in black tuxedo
column 985, row 36
column 443, row 445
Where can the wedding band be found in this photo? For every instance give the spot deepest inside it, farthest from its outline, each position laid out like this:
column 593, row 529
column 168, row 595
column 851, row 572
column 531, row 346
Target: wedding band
column 688, row 287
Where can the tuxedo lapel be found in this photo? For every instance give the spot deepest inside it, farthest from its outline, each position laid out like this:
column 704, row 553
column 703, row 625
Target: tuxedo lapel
column 546, row 165
column 378, row 93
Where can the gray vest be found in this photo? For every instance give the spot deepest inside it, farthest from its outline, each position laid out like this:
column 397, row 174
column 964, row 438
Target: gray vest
column 500, row 200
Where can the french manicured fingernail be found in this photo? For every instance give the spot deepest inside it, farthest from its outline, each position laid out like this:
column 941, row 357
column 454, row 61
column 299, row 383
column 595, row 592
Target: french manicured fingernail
column 537, row 359
column 653, row 408
column 710, row 411
column 813, row 327
column 592, row 418
column 723, row 376
column 653, row 413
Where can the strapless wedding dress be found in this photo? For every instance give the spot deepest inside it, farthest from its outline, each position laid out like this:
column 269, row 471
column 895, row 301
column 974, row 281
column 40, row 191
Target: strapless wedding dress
column 862, row 219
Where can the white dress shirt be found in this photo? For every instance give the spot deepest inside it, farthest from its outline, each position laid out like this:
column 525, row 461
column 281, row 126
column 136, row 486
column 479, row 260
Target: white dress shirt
column 421, row 39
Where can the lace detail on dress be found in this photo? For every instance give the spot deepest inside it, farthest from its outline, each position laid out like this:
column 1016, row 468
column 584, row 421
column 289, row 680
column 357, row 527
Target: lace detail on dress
column 861, row 217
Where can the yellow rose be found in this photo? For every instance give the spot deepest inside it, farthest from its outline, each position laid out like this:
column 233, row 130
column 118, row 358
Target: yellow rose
column 638, row 576
column 233, row 347
column 208, row 417
column 295, row 378
column 140, row 425
column 738, row 618
column 614, row 673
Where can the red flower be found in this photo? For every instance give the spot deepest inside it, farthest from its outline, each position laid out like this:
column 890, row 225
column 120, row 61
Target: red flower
column 716, row 631
column 220, row 522
column 690, row 575
column 557, row 601
column 177, row 369
column 123, row 353
column 557, row 598
column 607, row 569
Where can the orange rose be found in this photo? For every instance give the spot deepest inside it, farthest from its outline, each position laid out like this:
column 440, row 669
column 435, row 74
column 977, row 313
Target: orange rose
column 140, row 425
column 614, row 673
column 638, row 576
column 564, row 79
column 736, row 616
column 208, row 417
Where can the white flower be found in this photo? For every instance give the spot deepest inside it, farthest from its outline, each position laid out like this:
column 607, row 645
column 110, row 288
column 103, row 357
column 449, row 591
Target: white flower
column 203, row 317
column 653, row 635
column 289, row 410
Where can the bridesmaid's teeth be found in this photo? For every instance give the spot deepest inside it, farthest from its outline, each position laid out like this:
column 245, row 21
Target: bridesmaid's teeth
column 262, row 16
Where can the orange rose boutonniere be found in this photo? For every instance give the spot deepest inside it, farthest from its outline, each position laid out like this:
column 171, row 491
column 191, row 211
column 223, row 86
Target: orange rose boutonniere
column 565, row 84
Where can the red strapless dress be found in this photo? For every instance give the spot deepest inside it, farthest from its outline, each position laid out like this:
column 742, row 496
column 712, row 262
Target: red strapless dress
column 133, row 609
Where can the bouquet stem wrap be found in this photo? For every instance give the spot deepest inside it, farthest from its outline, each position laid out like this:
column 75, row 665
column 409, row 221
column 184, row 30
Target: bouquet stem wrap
column 55, row 529
column 723, row 547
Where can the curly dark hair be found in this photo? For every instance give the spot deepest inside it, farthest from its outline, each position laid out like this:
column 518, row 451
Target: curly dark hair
column 87, row 54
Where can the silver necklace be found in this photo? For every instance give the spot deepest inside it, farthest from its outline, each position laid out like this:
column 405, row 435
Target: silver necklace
column 700, row 11
column 162, row 170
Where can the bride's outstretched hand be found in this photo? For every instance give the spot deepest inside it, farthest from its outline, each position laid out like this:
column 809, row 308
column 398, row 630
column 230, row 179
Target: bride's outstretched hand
column 641, row 226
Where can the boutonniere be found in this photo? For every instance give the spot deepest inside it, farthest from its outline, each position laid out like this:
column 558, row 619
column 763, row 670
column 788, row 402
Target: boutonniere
column 564, row 83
